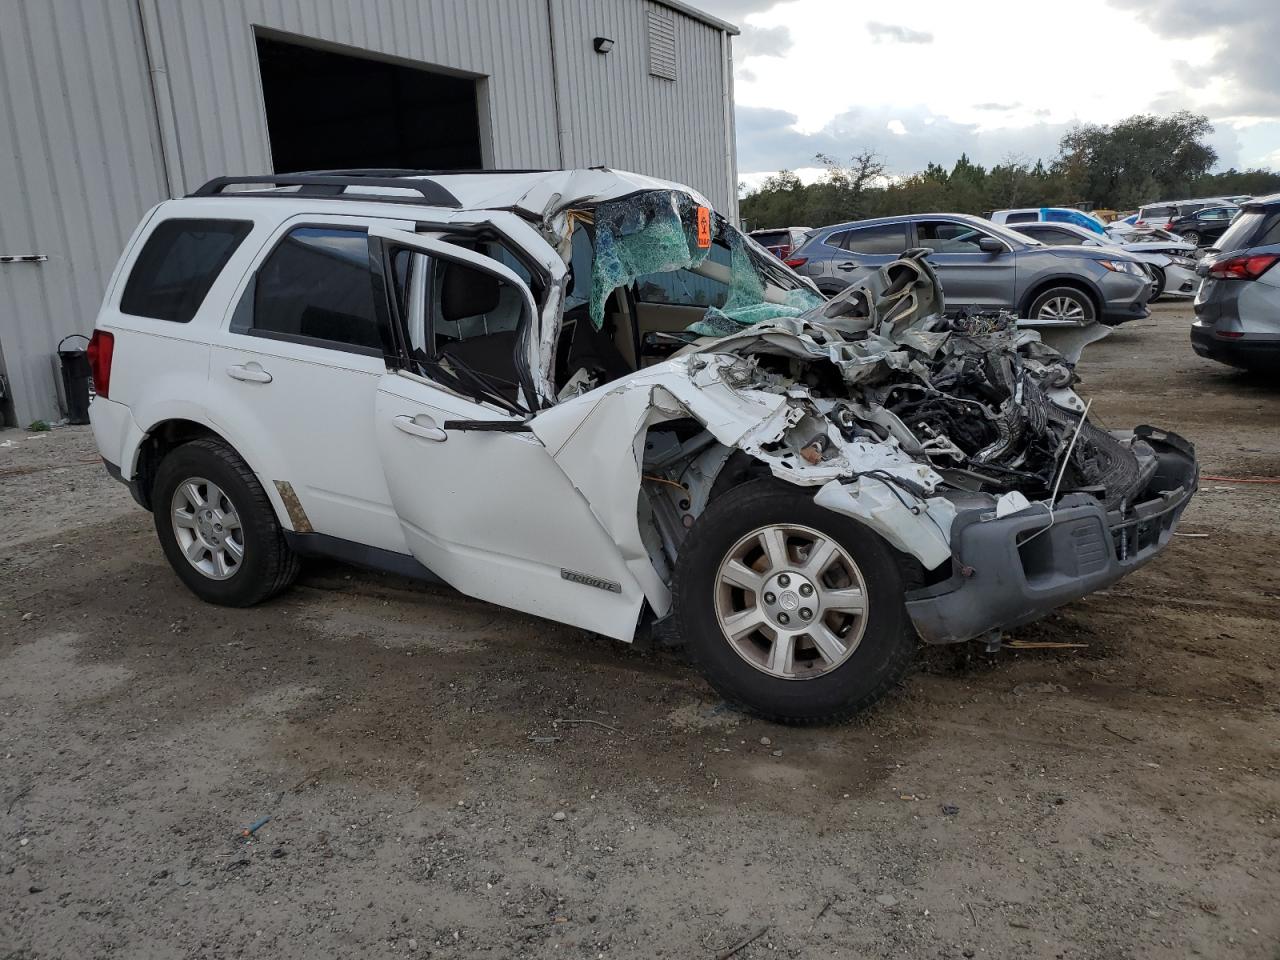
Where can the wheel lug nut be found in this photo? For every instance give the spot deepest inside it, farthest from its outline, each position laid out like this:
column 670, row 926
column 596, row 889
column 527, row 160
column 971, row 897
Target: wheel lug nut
column 770, row 598
column 805, row 613
column 784, row 580
column 783, row 618
column 806, row 590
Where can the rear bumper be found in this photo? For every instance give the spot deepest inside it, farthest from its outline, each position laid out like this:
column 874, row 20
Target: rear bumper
column 1244, row 351
column 1006, row 573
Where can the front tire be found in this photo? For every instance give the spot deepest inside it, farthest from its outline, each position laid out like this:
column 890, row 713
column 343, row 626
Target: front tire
column 791, row 611
column 1063, row 304
column 1160, row 282
column 217, row 528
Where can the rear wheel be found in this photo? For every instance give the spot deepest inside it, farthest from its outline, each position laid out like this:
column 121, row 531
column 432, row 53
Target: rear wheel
column 791, row 611
column 1192, row 236
column 217, row 528
column 1063, row 304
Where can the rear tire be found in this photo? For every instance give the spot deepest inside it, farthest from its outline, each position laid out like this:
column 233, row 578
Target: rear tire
column 217, row 528
column 1192, row 236
column 861, row 657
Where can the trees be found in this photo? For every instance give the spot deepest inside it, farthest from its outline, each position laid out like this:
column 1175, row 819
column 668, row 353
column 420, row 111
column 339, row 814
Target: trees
column 1135, row 161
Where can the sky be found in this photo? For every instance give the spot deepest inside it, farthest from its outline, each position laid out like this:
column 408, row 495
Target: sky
column 996, row 79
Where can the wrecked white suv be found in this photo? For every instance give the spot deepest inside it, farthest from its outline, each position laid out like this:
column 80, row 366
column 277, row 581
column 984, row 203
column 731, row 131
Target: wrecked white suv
column 584, row 395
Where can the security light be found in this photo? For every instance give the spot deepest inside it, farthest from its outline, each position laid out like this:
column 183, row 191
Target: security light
column 602, row 44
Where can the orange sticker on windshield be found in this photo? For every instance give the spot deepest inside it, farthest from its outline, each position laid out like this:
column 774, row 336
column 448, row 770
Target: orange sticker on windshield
column 704, row 228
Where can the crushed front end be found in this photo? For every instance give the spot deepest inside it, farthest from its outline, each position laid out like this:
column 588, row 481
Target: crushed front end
column 960, row 440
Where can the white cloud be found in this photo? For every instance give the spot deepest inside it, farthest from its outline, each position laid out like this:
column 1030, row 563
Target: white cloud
column 931, row 80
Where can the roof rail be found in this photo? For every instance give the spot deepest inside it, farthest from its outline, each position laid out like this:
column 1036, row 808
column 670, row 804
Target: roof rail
column 408, row 172
column 332, row 187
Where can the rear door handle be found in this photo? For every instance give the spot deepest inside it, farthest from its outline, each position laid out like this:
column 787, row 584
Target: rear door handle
column 847, row 265
column 420, row 426
column 250, row 372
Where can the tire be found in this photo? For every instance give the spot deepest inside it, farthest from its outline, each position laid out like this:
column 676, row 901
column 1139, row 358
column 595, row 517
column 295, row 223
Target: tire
column 1160, row 282
column 265, row 564
column 1068, row 302
column 1192, row 236
column 880, row 643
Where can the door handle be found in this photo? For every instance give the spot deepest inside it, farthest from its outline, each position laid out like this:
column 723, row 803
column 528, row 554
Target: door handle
column 847, row 265
column 249, row 372
column 427, row 429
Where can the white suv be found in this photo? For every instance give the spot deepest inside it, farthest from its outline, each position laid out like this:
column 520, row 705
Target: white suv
column 584, row 395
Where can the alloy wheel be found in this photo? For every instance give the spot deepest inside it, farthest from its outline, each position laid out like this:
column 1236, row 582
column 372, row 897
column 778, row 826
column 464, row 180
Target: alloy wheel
column 791, row 601
column 1063, row 309
column 207, row 527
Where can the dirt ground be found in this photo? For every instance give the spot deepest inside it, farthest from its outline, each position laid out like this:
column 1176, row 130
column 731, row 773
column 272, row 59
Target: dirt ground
column 413, row 748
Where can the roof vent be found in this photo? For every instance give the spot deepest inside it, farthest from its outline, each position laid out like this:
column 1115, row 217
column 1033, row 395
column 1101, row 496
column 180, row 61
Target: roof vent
column 662, row 44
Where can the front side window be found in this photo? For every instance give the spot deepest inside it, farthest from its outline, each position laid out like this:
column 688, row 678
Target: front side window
column 177, row 266
column 887, row 238
column 315, row 287
column 684, row 287
column 948, row 236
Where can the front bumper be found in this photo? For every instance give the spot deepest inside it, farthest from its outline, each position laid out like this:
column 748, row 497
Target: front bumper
column 1006, row 573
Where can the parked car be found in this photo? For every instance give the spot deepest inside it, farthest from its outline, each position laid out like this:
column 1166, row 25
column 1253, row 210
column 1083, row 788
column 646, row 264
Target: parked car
column 984, row 266
column 1238, row 303
column 1163, row 214
column 782, row 241
column 1048, row 215
column 1170, row 263
column 470, row 377
column 1204, row 226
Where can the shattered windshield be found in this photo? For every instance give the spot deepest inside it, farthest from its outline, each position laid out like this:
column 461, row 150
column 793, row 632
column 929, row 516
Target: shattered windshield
column 662, row 231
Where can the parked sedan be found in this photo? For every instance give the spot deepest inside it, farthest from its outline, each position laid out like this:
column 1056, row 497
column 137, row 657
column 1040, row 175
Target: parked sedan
column 1204, row 226
column 1238, row 304
column 1170, row 263
column 984, row 266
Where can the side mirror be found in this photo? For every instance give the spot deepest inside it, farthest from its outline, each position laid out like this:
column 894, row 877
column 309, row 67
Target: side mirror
column 990, row 245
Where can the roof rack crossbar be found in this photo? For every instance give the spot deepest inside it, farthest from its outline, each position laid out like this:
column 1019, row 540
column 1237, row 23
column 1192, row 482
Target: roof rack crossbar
column 332, row 187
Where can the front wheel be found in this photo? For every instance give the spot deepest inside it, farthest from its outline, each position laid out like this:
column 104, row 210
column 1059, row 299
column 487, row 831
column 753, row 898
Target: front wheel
column 790, row 610
column 1063, row 305
column 1158, row 273
column 217, row 528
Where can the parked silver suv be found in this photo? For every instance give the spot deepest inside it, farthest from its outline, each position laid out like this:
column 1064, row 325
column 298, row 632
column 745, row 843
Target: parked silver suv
column 984, row 266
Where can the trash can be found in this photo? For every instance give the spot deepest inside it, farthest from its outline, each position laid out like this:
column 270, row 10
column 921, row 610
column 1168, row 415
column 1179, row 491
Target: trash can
column 76, row 377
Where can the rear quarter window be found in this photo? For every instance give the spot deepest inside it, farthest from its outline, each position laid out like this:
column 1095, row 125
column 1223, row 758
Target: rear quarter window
column 178, row 264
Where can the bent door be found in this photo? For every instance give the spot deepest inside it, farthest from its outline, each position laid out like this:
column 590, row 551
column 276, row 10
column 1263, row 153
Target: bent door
column 481, row 502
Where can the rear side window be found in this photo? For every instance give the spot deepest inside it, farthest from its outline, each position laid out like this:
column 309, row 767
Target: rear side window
column 776, row 238
column 177, row 266
column 315, row 287
column 1025, row 217
column 888, row 238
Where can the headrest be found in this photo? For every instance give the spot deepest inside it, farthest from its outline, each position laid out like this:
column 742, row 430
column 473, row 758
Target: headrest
column 465, row 292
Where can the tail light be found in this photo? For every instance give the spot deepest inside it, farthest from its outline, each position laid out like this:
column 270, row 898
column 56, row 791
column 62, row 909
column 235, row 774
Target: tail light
column 1249, row 267
column 795, row 263
column 101, row 347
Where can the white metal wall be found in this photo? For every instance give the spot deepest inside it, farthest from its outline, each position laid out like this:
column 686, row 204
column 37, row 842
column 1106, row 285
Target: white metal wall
column 614, row 113
column 79, row 165
column 112, row 105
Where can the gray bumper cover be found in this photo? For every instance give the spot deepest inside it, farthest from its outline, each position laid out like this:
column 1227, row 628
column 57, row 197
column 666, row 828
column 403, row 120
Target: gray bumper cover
column 1001, row 578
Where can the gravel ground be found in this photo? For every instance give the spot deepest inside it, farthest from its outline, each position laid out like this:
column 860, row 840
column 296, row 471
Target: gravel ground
column 427, row 797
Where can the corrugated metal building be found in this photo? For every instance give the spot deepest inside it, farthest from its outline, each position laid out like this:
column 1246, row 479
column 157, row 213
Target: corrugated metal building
column 108, row 106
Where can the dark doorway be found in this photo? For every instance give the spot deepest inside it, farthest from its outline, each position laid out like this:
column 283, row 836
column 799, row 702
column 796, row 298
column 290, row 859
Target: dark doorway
column 329, row 110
